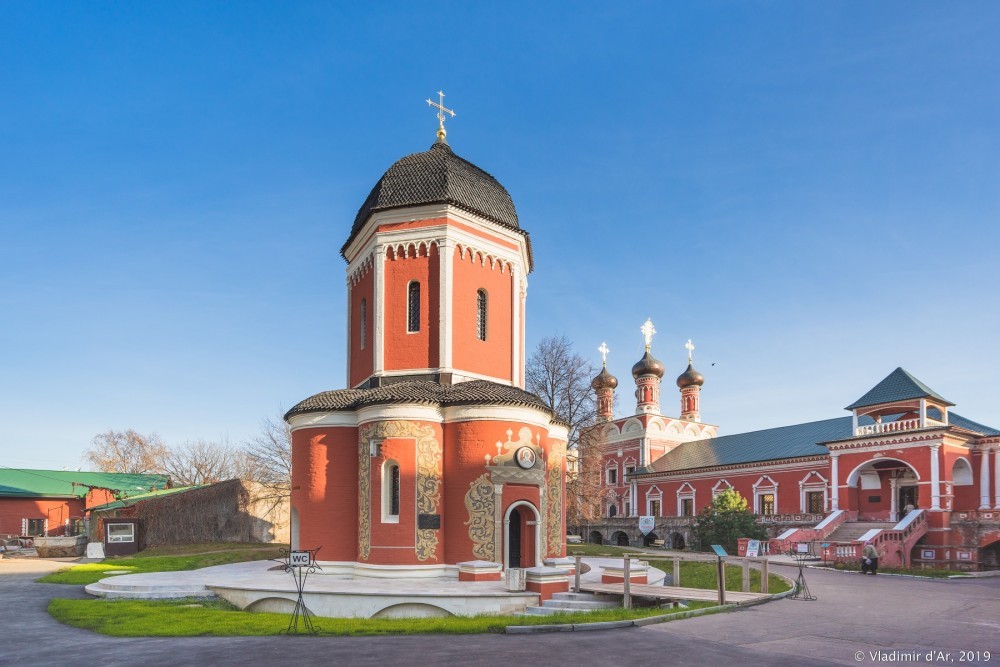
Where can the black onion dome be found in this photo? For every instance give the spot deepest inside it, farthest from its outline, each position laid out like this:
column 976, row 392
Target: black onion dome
column 604, row 380
column 438, row 176
column 648, row 365
column 690, row 378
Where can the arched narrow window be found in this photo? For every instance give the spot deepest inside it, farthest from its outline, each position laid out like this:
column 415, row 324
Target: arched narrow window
column 390, row 492
column 364, row 323
column 413, row 307
column 481, row 314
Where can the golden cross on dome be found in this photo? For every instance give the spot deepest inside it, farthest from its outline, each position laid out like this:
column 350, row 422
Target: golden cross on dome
column 690, row 348
column 603, row 349
column 648, row 331
column 442, row 110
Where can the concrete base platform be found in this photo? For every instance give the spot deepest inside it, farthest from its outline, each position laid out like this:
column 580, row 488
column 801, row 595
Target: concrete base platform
column 256, row 587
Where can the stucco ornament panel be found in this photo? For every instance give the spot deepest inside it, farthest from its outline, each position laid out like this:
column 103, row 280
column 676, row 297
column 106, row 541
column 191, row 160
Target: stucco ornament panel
column 428, row 480
column 480, row 505
column 504, row 467
column 557, row 455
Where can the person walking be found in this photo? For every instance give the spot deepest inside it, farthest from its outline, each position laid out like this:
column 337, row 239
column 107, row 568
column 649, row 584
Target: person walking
column 869, row 559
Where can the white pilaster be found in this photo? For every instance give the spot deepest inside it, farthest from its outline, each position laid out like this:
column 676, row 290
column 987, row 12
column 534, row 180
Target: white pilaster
column 923, row 413
column 515, row 326
column 996, row 477
column 935, row 477
column 379, row 311
column 893, row 503
column 984, row 478
column 802, row 497
column 834, row 483
column 347, row 361
column 446, row 301
column 854, row 423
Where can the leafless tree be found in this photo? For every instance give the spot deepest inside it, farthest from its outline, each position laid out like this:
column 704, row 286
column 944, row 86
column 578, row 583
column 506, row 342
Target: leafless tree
column 126, row 451
column 562, row 379
column 269, row 454
column 205, row 462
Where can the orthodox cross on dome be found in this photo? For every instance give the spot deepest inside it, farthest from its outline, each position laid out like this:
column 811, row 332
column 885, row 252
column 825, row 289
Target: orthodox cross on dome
column 648, row 331
column 442, row 110
column 690, row 348
column 603, row 349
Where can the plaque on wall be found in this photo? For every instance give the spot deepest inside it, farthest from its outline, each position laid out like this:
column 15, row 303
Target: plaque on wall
column 874, row 499
column 429, row 521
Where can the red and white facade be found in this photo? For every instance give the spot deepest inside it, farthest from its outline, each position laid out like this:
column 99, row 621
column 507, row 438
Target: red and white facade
column 434, row 455
column 842, row 481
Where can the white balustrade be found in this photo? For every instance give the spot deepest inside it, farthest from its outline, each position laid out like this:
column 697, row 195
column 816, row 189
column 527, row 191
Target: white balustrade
column 888, row 427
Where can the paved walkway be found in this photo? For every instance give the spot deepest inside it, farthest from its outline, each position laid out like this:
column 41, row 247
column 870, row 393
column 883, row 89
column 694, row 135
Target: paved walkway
column 853, row 614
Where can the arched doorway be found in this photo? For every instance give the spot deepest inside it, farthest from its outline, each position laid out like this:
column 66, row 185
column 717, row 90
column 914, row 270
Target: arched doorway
column 596, row 537
column 882, row 489
column 620, row 538
column 989, row 552
column 677, row 541
column 647, row 540
column 521, row 538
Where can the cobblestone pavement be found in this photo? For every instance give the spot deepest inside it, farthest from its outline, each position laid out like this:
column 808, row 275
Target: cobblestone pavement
column 854, row 617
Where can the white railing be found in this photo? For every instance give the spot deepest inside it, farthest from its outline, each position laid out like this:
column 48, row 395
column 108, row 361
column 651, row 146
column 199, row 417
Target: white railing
column 888, row 427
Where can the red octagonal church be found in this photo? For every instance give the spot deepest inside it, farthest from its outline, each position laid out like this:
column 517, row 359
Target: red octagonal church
column 434, row 454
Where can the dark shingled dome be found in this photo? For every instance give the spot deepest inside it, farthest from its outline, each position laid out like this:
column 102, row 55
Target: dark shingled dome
column 648, row 365
column 690, row 378
column 473, row 392
column 604, row 380
column 438, row 176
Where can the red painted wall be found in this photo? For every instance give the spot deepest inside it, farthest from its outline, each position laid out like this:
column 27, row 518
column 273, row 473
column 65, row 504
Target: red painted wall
column 362, row 360
column 325, row 490
column 56, row 510
column 386, row 538
column 492, row 357
column 405, row 350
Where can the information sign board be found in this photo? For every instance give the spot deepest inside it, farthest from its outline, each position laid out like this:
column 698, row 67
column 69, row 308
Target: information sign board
column 299, row 559
column 646, row 524
column 719, row 551
column 753, row 548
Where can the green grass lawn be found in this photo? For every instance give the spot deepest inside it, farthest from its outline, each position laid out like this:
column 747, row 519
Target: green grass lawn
column 693, row 574
column 164, row 559
column 190, row 618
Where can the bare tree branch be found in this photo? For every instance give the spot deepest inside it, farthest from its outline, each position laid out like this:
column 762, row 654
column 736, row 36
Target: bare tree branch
column 126, row 451
column 562, row 379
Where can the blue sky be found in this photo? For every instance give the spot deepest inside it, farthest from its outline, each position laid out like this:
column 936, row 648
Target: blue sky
column 808, row 190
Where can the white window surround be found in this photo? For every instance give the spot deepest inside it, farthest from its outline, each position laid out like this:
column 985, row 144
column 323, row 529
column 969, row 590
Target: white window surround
column 764, row 486
column 721, row 486
column 611, row 466
column 686, row 492
column 387, row 467
column 653, row 494
column 813, row 482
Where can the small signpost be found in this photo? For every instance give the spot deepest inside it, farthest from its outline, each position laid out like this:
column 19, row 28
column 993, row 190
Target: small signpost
column 301, row 563
column 801, row 554
column 646, row 524
column 721, row 553
column 753, row 548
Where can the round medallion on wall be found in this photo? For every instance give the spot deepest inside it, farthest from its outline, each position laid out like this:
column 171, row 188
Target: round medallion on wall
column 525, row 457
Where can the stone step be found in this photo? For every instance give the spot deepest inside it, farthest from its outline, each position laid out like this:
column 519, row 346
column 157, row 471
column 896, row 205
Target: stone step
column 548, row 611
column 579, row 605
column 601, row 597
column 160, row 592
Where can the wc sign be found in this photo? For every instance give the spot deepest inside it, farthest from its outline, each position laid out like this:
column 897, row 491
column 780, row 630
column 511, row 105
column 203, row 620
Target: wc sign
column 299, row 559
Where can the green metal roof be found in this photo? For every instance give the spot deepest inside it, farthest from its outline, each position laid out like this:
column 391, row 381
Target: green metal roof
column 132, row 500
column 897, row 386
column 25, row 483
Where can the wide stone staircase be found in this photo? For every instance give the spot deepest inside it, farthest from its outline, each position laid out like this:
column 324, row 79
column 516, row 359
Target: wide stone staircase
column 852, row 530
column 566, row 602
